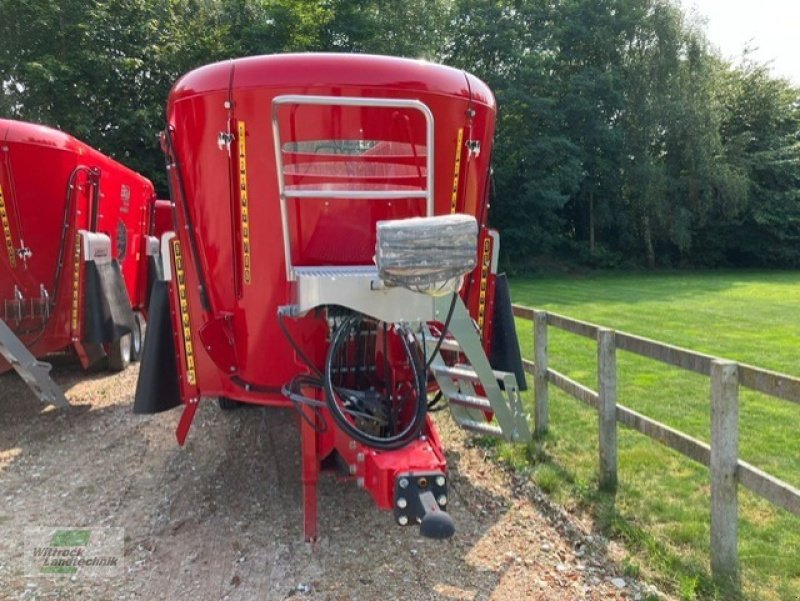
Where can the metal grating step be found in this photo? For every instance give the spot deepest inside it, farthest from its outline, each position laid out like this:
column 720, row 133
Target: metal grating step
column 337, row 271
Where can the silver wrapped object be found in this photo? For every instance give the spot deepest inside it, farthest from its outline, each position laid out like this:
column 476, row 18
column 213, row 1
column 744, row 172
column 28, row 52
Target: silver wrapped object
column 427, row 254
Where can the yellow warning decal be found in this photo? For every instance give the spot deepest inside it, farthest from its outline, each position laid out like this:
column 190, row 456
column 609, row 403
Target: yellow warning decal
column 12, row 257
column 457, row 171
column 183, row 302
column 486, row 261
column 244, row 208
column 76, row 284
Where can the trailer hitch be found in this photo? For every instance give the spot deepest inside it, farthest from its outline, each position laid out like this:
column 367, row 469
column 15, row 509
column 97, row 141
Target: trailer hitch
column 421, row 498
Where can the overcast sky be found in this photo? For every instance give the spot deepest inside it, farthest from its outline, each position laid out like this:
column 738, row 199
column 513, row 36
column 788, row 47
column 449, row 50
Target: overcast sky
column 773, row 26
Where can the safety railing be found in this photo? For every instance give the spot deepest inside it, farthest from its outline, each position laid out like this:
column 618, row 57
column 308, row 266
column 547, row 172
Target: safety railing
column 285, row 191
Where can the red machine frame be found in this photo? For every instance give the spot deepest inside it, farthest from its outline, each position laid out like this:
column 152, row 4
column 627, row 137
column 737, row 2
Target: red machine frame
column 279, row 165
column 58, row 198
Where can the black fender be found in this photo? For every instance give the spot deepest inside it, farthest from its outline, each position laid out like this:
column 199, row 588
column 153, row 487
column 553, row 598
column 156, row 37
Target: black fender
column 107, row 311
column 157, row 388
column 506, row 355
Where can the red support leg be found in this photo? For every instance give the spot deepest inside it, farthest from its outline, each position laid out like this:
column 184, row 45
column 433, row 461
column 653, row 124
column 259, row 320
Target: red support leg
column 308, row 442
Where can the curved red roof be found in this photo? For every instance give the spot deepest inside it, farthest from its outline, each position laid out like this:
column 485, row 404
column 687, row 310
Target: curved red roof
column 23, row 132
column 41, row 135
column 311, row 70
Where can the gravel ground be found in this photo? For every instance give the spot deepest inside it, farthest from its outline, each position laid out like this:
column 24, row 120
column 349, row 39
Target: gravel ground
column 222, row 517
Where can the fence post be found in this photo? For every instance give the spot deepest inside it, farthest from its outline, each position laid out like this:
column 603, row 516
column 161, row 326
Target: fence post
column 540, row 391
column 607, row 407
column 724, row 459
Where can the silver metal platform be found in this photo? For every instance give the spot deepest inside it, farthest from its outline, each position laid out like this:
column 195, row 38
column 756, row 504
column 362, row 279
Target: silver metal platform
column 359, row 288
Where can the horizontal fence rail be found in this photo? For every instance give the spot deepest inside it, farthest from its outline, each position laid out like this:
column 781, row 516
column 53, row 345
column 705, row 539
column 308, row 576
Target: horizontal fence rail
column 721, row 456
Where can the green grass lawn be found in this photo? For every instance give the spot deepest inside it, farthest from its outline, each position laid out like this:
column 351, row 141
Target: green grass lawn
column 662, row 506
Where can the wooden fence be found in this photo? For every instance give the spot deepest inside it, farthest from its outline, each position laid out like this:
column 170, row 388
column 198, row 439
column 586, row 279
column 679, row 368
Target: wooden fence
column 721, row 456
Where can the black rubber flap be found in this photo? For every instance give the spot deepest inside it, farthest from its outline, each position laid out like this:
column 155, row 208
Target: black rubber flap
column 153, row 275
column 107, row 310
column 505, row 344
column 157, row 388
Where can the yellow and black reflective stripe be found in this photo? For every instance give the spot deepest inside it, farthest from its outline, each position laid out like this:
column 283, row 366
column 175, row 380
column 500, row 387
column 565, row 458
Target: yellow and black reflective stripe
column 12, row 256
column 244, row 208
column 76, row 284
column 457, row 171
column 183, row 302
column 486, row 262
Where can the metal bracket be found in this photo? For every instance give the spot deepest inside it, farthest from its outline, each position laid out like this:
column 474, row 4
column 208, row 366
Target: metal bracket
column 224, row 140
column 23, row 252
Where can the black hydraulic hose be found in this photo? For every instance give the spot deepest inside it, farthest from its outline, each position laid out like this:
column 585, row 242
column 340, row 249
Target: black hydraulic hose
column 445, row 327
column 415, row 425
column 292, row 391
column 174, row 165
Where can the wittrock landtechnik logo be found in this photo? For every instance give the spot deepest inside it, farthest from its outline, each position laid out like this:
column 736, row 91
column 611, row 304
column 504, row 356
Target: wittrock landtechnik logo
column 74, row 552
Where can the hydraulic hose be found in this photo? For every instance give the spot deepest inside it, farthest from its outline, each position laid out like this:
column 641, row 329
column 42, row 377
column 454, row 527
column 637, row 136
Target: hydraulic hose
column 342, row 416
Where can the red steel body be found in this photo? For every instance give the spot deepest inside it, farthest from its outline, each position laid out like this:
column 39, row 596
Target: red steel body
column 53, row 186
column 225, row 184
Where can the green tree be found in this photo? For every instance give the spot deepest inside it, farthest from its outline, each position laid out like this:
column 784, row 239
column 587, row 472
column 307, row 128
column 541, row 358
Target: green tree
column 761, row 132
column 97, row 70
column 412, row 28
column 537, row 167
column 591, row 85
column 102, row 70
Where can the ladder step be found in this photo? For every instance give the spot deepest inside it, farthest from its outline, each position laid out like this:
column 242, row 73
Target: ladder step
column 464, row 372
column 35, row 374
column 481, row 428
column 470, row 400
column 448, row 344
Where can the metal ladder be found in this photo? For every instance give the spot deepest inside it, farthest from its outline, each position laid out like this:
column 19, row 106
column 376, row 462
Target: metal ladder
column 35, row 373
column 459, row 382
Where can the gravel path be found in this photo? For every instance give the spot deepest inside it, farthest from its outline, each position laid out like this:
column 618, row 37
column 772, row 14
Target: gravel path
column 222, row 518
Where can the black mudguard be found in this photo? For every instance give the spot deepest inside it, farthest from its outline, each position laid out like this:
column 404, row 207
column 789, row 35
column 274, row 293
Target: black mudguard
column 154, row 274
column 157, row 388
column 107, row 309
column 505, row 344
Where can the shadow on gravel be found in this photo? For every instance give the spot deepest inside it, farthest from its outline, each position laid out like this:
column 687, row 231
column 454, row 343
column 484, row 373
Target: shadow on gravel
column 221, row 518
column 27, row 420
column 240, row 513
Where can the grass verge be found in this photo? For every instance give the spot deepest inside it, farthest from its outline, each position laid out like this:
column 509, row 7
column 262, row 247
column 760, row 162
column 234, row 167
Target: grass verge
column 661, row 509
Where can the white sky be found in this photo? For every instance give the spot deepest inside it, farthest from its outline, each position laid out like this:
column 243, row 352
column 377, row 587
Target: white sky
column 772, row 26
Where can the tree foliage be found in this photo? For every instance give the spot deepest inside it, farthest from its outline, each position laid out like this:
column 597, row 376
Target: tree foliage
column 622, row 137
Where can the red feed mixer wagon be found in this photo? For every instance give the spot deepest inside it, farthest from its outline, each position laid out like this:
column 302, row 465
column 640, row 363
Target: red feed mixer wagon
column 75, row 266
column 332, row 255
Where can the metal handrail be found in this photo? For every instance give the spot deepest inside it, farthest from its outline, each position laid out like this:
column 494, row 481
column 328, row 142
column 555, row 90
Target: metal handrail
column 408, row 103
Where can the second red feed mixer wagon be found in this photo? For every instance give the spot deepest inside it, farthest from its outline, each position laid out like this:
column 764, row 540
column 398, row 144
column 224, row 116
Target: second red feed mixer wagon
column 77, row 256
column 332, row 254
